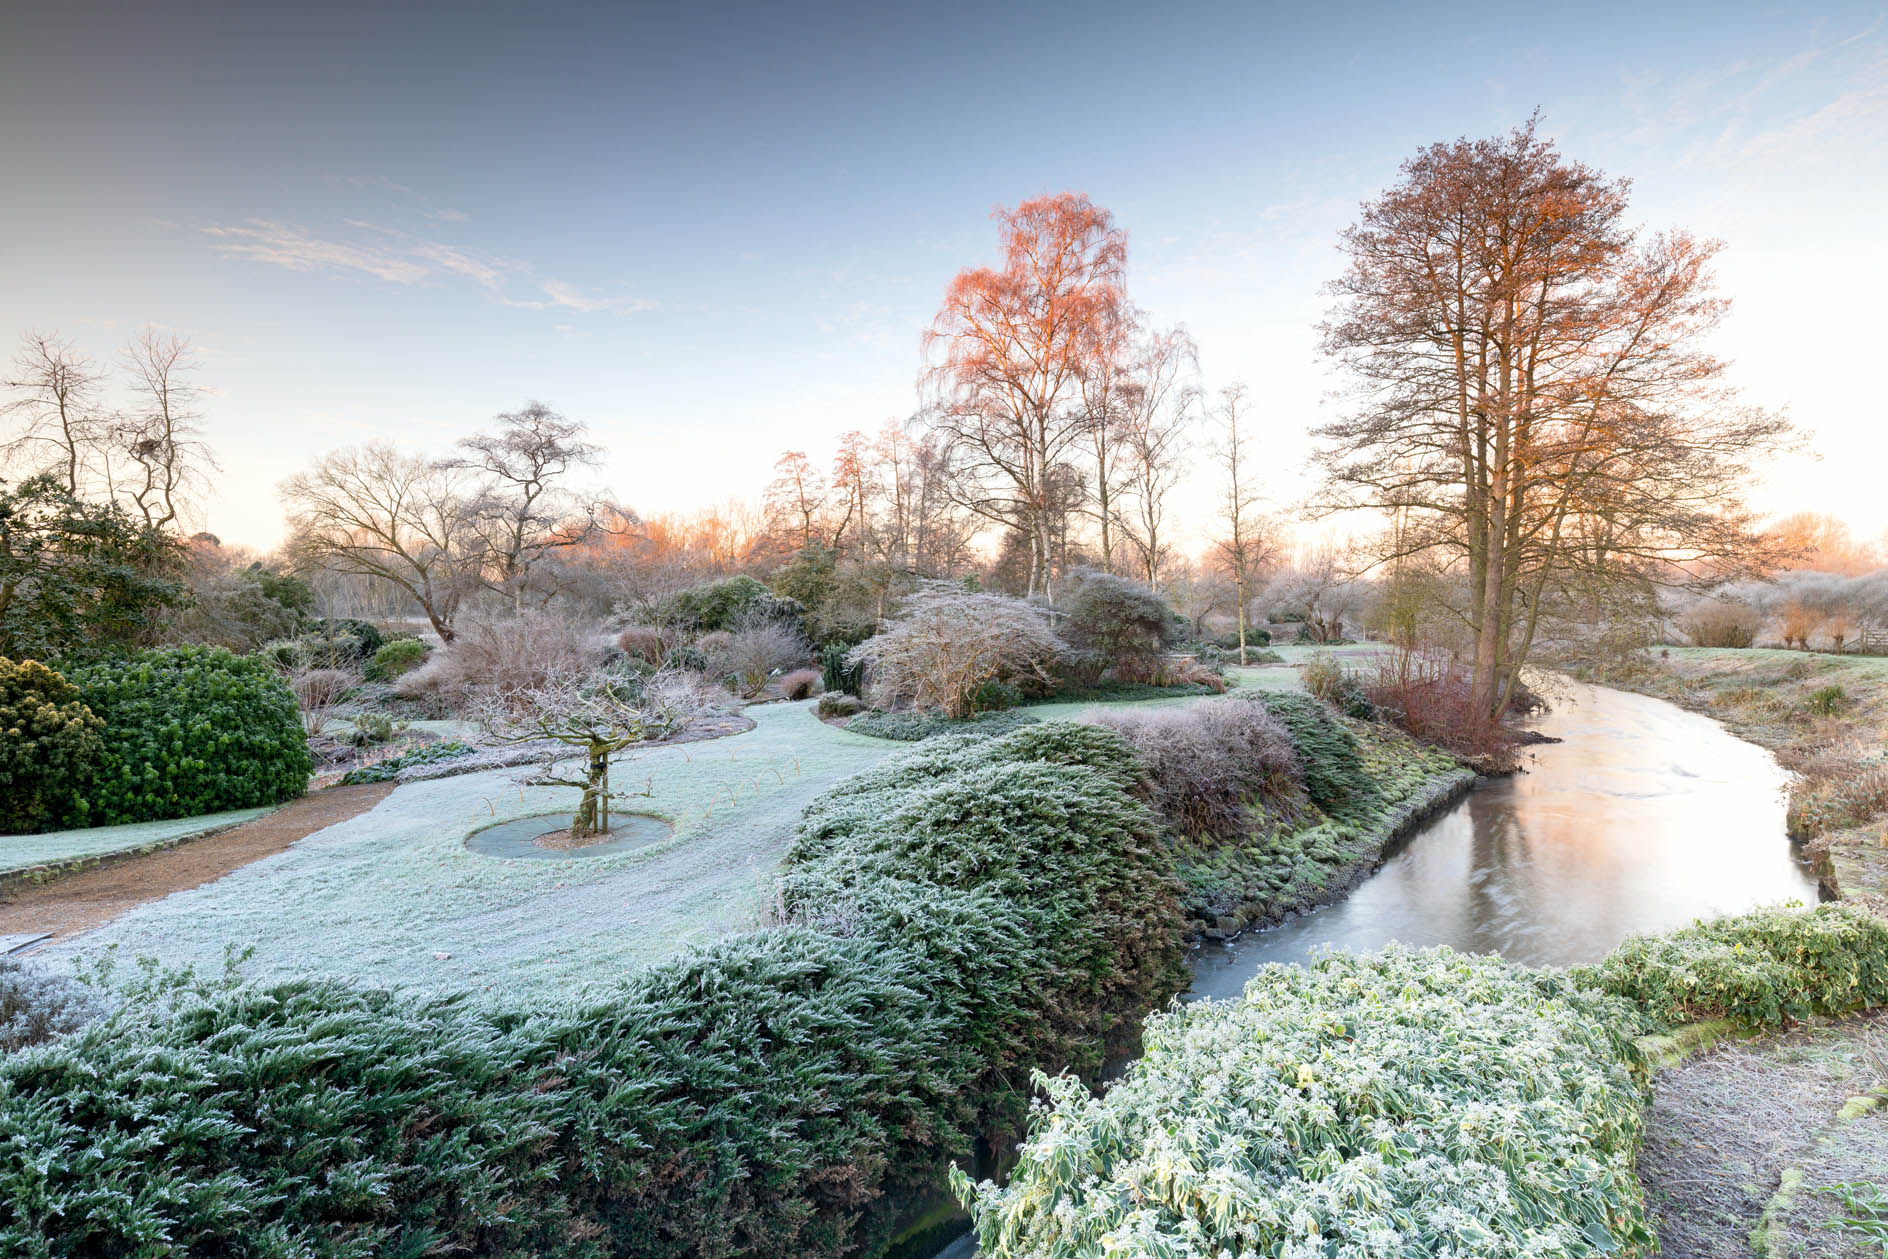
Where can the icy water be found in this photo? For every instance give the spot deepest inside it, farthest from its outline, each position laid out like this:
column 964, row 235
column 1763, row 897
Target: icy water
column 1644, row 818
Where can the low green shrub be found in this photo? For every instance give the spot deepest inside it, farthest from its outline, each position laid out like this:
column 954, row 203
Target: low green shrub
column 342, row 642
column 1110, row 691
column 1333, row 770
column 1758, row 970
column 424, row 754
column 395, row 658
column 1402, row 1104
column 912, row 725
column 49, row 749
column 191, row 730
column 734, row 603
column 994, row 697
column 374, row 729
column 840, row 704
column 1827, row 701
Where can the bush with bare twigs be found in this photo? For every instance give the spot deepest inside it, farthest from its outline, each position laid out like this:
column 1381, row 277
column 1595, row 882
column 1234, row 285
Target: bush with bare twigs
column 317, row 693
column 749, row 656
column 1721, row 623
column 949, row 641
column 801, row 684
column 1213, row 767
column 645, row 642
column 505, row 655
column 1428, row 693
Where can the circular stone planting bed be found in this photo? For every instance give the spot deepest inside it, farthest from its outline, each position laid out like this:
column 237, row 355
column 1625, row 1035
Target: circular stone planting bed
column 547, row 836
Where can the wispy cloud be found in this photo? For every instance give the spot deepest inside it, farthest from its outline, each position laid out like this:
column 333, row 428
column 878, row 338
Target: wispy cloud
column 397, row 257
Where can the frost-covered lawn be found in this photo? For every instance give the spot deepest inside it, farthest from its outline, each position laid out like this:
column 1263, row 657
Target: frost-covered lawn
column 380, row 896
column 22, row 852
column 394, row 896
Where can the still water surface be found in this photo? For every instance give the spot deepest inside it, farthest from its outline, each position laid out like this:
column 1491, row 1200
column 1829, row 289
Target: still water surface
column 1643, row 819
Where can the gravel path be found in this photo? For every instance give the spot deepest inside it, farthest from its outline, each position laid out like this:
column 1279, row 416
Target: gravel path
column 1730, row 1128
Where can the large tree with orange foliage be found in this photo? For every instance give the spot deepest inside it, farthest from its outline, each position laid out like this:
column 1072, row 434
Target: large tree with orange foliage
column 1007, row 355
column 1532, row 392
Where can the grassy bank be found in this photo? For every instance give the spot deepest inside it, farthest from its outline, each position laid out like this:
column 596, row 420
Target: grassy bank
column 1825, row 717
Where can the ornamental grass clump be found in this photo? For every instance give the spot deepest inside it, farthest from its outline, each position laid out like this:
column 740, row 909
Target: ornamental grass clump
column 1401, row 1104
column 1759, row 970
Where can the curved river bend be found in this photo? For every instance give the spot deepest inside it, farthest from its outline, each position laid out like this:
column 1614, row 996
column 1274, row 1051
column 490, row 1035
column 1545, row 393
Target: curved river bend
column 1643, row 818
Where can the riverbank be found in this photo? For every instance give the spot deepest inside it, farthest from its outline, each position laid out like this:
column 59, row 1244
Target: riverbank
column 1826, row 720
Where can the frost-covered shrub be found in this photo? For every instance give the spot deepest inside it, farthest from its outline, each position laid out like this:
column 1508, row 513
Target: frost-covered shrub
column 1079, row 863
column 1122, row 621
column 949, row 641
column 501, row 656
column 645, row 642
column 1758, row 969
column 751, row 654
column 839, row 704
column 191, row 730
column 425, row 754
column 1410, row 1103
column 342, row 642
column 754, row 1098
column 1721, row 623
column 800, row 684
column 37, row 1006
column 1334, row 774
column 395, row 658
column 49, row 748
column 1212, row 767
column 1327, row 679
column 730, row 604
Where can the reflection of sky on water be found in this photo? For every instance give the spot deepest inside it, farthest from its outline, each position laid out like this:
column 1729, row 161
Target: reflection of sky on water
column 1645, row 818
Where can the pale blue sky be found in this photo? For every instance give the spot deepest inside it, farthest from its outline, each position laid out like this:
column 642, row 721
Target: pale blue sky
column 716, row 232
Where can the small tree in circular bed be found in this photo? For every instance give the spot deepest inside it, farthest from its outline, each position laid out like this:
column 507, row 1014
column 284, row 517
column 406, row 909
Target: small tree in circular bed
column 49, row 745
column 599, row 714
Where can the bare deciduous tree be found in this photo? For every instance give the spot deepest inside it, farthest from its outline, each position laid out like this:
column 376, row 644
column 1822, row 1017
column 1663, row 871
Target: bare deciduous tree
column 1243, row 544
column 1532, row 391
column 524, row 511
column 1154, row 432
column 402, row 518
column 158, row 435
column 54, row 423
column 600, row 716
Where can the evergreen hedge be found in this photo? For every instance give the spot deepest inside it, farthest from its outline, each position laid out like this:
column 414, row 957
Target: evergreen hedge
column 191, row 730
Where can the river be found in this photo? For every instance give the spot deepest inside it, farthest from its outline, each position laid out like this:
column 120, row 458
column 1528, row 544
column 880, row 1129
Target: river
column 1643, row 818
